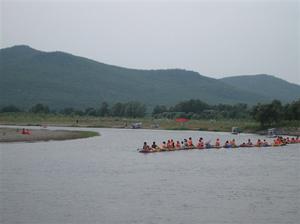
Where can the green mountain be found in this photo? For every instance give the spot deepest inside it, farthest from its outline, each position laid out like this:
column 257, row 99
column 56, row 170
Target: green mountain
column 267, row 86
column 60, row 80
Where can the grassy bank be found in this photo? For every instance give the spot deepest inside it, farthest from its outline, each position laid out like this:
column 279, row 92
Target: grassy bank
column 148, row 122
column 113, row 122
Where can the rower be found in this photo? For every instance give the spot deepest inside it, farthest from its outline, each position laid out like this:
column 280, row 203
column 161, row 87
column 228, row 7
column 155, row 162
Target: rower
column 154, row 146
column 190, row 142
column 232, row 143
column 146, row 147
column 164, row 145
column 218, row 143
column 258, row 143
column 249, row 143
column 200, row 144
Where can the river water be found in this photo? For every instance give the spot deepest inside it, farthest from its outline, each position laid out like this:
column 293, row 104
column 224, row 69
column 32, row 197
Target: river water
column 105, row 180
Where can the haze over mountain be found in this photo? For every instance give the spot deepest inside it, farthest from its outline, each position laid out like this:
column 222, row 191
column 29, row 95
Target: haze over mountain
column 265, row 85
column 60, row 80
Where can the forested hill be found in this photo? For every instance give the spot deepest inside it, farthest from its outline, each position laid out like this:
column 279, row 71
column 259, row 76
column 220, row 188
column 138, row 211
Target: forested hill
column 60, row 80
column 266, row 85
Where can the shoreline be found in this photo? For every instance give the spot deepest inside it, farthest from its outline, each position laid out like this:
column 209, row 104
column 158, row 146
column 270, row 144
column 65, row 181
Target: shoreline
column 13, row 135
column 148, row 123
column 287, row 131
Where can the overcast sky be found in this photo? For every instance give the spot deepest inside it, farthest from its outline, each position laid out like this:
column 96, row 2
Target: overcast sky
column 214, row 38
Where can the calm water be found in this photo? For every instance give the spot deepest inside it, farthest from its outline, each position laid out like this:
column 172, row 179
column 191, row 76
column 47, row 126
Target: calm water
column 105, row 180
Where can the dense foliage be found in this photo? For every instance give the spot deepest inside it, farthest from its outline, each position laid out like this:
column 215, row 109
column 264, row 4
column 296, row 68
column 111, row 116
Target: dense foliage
column 130, row 109
column 273, row 113
column 40, row 108
column 196, row 109
column 266, row 114
column 10, row 108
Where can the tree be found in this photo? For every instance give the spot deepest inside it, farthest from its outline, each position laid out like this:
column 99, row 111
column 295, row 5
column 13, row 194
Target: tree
column 10, row 108
column 68, row 111
column 159, row 109
column 104, row 109
column 268, row 114
column 40, row 108
column 195, row 106
column 118, row 110
column 90, row 111
column 260, row 113
column 292, row 111
column 276, row 111
column 135, row 109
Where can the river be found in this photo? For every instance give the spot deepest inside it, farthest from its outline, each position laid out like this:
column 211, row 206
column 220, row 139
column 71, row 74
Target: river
column 105, row 180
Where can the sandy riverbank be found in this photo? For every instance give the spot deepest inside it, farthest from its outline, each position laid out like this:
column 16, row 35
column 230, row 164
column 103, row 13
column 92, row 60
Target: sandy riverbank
column 15, row 135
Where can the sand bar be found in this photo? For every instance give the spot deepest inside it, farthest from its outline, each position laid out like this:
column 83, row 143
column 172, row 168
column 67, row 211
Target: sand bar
column 16, row 135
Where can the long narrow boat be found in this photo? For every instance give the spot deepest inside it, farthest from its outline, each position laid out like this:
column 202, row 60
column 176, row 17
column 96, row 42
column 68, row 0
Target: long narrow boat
column 210, row 147
column 145, row 151
column 276, row 145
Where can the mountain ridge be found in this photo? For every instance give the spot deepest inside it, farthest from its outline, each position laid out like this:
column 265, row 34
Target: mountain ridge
column 259, row 82
column 61, row 80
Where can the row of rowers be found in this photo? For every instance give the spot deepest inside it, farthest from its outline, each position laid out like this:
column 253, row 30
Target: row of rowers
column 188, row 144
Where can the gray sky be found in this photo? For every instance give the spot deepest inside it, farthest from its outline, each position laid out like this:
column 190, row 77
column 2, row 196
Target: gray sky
column 215, row 38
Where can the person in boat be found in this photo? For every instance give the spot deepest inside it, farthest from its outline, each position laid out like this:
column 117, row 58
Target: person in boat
column 154, row 146
column 182, row 145
column 208, row 145
column 164, row 146
column 190, row 143
column 283, row 140
column 218, row 143
column 277, row 141
column 288, row 141
column 169, row 143
column 249, row 143
column 200, row 144
column 227, row 144
column 172, row 144
column 185, row 143
column 178, row 145
column 25, row 131
column 232, row 143
column 265, row 143
column 243, row 144
column 146, row 147
column 293, row 140
column 258, row 143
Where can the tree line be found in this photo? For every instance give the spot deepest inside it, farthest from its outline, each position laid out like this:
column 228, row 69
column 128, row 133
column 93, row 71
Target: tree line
column 266, row 114
column 197, row 109
column 275, row 112
column 130, row 109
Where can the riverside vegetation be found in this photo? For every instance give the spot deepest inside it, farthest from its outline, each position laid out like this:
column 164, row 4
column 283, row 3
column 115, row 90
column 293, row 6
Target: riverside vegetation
column 201, row 115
